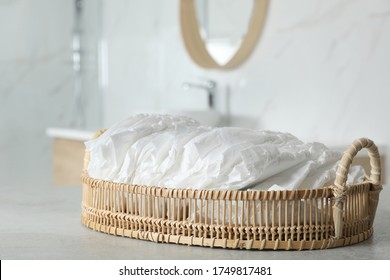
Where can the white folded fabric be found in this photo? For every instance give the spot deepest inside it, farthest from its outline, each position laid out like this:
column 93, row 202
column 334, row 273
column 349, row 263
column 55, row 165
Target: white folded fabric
column 178, row 152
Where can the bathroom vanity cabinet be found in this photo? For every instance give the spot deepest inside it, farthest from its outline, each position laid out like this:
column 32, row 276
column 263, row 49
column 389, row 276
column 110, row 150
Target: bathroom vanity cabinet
column 67, row 161
column 67, row 155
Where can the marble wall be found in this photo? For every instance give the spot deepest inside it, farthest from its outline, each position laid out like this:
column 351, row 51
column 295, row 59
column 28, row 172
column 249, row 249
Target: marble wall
column 37, row 85
column 320, row 71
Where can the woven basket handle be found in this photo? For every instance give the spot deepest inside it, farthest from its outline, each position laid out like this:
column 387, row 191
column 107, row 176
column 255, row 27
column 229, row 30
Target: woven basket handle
column 346, row 160
column 340, row 184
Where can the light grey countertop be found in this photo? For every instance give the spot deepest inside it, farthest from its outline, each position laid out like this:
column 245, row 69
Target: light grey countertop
column 44, row 223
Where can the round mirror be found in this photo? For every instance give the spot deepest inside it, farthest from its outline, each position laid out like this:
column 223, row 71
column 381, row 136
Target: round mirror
column 221, row 33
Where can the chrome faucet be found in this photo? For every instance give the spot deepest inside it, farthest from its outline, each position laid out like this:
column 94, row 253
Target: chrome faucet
column 210, row 87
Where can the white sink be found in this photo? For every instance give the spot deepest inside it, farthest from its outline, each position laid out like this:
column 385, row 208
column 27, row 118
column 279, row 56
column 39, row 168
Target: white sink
column 69, row 133
column 209, row 118
column 205, row 117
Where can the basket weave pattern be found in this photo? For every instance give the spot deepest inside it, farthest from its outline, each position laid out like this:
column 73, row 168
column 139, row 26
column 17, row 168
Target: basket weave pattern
column 332, row 216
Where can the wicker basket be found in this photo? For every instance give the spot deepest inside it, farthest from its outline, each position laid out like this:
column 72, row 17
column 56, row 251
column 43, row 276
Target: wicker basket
column 333, row 216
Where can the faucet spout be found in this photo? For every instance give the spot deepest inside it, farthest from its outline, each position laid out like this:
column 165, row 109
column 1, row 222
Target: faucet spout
column 209, row 87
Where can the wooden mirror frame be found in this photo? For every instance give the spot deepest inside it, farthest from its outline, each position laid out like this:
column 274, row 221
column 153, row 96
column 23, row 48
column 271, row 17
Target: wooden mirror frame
column 196, row 46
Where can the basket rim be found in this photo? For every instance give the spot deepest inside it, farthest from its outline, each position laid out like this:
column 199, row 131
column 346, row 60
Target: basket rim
column 249, row 194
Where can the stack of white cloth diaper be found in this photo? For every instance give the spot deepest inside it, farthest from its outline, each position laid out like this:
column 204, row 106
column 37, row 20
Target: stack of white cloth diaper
column 178, row 152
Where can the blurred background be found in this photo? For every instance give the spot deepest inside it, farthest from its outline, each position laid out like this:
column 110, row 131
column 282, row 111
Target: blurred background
column 320, row 70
